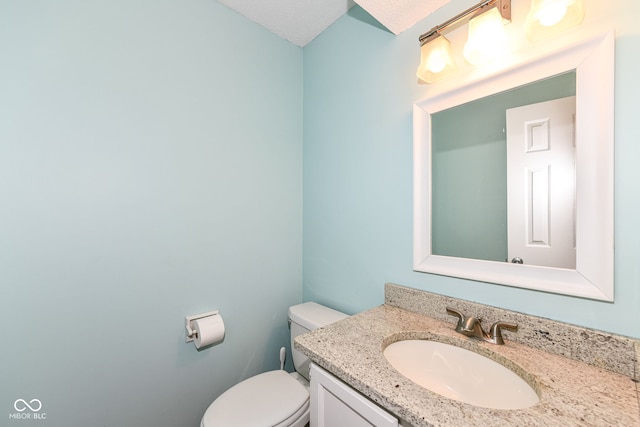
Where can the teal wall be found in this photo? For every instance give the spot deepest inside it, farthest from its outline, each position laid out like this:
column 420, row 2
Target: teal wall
column 469, row 170
column 150, row 169
column 359, row 88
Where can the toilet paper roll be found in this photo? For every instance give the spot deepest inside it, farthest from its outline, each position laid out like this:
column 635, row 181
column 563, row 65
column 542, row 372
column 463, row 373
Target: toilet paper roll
column 209, row 330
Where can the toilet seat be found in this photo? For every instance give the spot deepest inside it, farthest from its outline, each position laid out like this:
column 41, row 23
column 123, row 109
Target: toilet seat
column 270, row 399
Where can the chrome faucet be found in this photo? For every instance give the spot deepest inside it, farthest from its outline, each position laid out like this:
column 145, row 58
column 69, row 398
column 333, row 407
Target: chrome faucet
column 472, row 327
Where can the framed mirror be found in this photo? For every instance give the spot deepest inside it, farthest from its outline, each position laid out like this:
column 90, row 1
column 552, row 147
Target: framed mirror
column 473, row 244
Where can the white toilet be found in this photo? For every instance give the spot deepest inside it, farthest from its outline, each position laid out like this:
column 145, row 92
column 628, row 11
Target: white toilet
column 274, row 398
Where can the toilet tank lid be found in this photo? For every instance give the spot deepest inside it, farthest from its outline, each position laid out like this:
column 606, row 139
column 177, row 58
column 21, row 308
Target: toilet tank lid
column 311, row 315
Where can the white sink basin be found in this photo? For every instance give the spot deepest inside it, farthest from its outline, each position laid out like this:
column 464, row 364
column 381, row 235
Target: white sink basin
column 460, row 374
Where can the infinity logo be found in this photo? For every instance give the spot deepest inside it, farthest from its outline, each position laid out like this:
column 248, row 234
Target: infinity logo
column 37, row 405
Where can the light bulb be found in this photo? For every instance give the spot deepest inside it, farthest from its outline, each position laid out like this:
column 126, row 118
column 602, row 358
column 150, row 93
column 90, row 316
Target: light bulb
column 487, row 39
column 550, row 17
column 436, row 61
column 552, row 14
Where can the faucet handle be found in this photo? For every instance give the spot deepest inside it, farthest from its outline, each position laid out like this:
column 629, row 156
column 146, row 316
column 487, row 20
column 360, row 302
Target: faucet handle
column 496, row 331
column 453, row 312
column 462, row 319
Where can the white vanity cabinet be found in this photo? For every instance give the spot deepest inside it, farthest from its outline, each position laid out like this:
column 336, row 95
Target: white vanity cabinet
column 335, row 404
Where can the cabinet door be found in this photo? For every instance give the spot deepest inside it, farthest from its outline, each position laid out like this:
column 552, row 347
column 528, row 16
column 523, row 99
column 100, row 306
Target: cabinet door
column 335, row 404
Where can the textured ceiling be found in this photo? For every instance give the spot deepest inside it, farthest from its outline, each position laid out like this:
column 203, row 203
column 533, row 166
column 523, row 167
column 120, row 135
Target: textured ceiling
column 400, row 15
column 300, row 21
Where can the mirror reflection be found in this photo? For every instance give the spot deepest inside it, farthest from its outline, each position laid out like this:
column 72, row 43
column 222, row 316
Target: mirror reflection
column 503, row 176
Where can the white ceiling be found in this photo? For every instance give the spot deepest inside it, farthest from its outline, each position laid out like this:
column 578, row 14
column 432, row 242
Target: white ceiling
column 300, row 21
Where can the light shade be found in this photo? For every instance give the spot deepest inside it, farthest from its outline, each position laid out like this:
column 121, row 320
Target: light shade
column 436, row 61
column 487, row 38
column 548, row 17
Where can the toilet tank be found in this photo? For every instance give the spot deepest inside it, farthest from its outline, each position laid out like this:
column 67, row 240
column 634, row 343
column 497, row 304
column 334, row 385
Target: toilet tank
column 306, row 317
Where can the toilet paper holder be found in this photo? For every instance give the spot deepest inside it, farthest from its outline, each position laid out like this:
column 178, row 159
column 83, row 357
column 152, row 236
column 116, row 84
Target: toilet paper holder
column 191, row 333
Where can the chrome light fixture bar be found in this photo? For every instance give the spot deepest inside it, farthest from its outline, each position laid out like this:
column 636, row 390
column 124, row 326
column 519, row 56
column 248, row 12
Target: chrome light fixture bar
column 504, row 7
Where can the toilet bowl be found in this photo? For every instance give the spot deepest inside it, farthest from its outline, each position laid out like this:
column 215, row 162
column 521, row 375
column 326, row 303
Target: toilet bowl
column 274, row 398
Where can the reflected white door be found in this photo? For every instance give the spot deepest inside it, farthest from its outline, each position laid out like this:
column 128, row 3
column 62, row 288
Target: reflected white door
column 541, row 183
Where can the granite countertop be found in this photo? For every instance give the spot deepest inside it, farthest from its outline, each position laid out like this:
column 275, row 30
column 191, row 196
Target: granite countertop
column 572, row 393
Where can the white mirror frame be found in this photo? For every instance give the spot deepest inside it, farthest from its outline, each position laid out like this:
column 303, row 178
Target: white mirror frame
column 593, row 60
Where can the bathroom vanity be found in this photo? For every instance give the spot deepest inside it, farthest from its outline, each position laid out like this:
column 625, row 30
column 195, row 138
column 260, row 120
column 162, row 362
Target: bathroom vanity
column 337, row 404
column 582, row 376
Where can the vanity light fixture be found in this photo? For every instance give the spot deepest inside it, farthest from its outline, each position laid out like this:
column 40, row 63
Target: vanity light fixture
column 487, row 39
column 548, row 17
